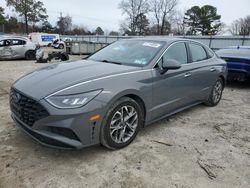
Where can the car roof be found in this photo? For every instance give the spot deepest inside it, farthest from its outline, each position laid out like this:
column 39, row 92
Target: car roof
column 3, row 37
column 235, row 53
column 239, row 47
column 163, row 39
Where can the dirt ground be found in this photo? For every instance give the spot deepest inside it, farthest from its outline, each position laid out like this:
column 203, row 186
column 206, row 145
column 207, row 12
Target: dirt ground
column 200, row 147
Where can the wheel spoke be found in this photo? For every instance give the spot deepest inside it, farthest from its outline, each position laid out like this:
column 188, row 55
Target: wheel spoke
column 121, row 135
column 130, row 126
column 115, row 120
column 126, row 109
column 115, row 128
column 128, row 117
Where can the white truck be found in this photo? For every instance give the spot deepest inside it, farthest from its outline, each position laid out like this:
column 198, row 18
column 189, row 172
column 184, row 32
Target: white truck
column 44, row 39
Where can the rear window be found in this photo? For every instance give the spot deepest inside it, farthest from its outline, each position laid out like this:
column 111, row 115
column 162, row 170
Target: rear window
column 198, row 52
column 16, row 42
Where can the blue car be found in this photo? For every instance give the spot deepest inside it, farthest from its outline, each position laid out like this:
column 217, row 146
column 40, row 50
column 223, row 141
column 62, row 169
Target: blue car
column 238, row 63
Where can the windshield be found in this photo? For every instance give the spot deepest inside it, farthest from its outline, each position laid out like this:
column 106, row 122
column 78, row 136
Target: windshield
column 129, row 52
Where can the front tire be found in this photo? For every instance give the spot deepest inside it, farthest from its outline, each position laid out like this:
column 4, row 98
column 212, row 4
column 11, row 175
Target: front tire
column 216, row 93
column 121, row 124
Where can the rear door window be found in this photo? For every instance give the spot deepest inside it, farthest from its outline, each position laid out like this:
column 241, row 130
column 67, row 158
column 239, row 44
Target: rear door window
column 198, row 52
column 16, row 42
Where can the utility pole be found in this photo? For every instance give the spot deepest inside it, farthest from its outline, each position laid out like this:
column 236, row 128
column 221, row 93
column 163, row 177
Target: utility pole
column 61, row 23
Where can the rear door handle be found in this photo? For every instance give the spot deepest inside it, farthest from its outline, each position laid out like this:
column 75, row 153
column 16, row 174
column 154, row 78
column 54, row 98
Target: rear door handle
column 212, row 69
column 188, row 74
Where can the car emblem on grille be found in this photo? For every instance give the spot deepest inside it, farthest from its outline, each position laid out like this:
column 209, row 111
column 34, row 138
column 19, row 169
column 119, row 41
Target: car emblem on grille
column 16, row 97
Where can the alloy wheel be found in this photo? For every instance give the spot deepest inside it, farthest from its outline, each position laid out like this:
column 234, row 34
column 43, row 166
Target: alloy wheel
column 123, row 124
column 217, row 91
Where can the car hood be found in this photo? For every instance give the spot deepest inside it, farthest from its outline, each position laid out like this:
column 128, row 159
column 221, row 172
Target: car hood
column 47, row 80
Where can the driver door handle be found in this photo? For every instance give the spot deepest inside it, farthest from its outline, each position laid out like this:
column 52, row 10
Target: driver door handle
column 212, row 69
column 188, row 74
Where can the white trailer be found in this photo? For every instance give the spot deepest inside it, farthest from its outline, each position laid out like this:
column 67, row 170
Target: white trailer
column 43, row 38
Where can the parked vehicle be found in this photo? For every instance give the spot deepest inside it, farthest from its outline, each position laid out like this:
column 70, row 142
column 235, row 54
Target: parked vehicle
column 239, row 47
column 58, row 44
column 43, row 39
column 14, row 47
column 238, row 62
column 109, row 96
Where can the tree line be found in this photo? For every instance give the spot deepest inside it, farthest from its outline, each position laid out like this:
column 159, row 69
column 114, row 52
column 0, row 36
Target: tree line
column 33, row 18
column 143, row 17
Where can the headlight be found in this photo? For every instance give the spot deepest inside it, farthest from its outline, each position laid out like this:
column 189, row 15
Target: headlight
column 72, row 101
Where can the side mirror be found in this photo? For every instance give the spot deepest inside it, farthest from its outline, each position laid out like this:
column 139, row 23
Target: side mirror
column 171, row 64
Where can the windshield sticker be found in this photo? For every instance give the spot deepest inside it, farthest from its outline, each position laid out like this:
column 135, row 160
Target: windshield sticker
column 151, row 44
column 119, row 48
column 142, row 61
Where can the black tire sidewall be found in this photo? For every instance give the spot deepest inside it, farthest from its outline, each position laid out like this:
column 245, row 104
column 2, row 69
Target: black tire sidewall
column 106, row 124
column 61, row 46
column 64, row 57
column 30, row 55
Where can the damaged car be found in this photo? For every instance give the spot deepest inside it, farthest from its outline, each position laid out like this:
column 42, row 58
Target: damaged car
column 14, row 47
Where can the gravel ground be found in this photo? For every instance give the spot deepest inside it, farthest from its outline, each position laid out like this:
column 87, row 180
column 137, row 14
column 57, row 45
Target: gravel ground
column 200, row 147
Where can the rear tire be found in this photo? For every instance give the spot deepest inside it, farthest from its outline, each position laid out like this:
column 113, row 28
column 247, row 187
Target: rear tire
column 30, row 55
column 121, row 123
column 216, row 93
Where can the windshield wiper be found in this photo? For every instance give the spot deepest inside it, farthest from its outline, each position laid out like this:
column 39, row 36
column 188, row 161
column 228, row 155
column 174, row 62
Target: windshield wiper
column 107, row 61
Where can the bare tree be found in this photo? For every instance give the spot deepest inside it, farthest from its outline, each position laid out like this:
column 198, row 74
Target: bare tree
column 241, row 26
column 235, row 27
column 177, row 23
column 64, row 24
column 133, row 8
column 162, row 11
column 245, row 26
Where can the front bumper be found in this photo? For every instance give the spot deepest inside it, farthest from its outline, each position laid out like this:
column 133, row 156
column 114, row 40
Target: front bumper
column 47, row 139
column 60, row 128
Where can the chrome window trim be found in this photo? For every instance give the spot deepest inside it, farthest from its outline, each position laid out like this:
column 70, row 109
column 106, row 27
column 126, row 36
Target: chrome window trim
column 166, row 51
column 187, row 43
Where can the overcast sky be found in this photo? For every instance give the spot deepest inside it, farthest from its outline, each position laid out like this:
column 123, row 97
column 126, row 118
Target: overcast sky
column 105, row 13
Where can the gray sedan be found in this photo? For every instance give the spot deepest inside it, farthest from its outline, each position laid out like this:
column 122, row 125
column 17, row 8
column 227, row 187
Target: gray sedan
column 108, row 97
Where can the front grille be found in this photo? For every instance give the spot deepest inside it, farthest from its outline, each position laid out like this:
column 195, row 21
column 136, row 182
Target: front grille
column 26, row 109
